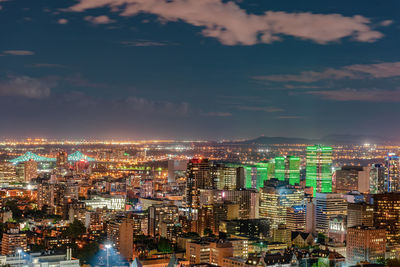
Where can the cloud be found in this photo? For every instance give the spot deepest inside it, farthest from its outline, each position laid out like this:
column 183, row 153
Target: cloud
column 264, row 109
column 366, row 95
column 62, row 21
column 142, row 43
column 357, row 71
column 387, row 22
column 99, row 19
column 232, row 25
column 24, row 86
column 218, row 114
column 18, row 52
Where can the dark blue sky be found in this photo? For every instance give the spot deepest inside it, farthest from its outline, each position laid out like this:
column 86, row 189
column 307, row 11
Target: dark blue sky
column 198, row 68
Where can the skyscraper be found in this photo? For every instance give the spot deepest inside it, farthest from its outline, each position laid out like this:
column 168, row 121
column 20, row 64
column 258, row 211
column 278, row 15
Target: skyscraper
column 198, row 177
column 30, row 170
column 319, row 168
column 392, row 163
column 328, row 206
column 377, row 179
column 387, row 214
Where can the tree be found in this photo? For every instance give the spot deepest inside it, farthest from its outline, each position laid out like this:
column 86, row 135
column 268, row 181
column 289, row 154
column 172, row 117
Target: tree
column 164, row 245
column 75, row 230
column 207, row 232
column 88, row 252
column 393, row 263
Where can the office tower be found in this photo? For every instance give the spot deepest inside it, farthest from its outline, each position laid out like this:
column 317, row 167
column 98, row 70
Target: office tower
column 310, row 215
column 248, row 201
column 293, row 169
column 51, row 197
column 360, row 214
column 213, row 252
column 319, row 168
column 30, row 170
column 365, row 244
column 251, row 228
column 392, row 163
column 352, row 178
column 198, row 177
column 224, row 177
column 387, row 214
column 159, row 213
column 62, row 160
column 240, row 178
column 126, row 238
column 20, row 172
column 280, row 168
column 13, row 240
column 326, row 207
column 287, row 168
column 275, row 198
column 377, row 179
column 296, row 218
column 7, row 172
column 256, row 174
column 282, row 234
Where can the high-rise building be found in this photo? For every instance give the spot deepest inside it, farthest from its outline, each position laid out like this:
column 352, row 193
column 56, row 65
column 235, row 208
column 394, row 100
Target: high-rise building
column 387, row 214
column 62, row 160
column 377, row 179
column 126, row 238
column 392, row 164
column 30, row 170
column 360, row 214
column 327, row 205
column 13, row 240
column 288, row 168
column 352, row 178
column 275, row 198
column 319, row 168
column 224, row 177
column 365, row 244
column 256, row 175
column 159, row 213
column 296, row 218
column 198, row 177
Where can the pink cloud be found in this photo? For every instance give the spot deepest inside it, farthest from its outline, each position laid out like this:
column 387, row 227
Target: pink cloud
column 231, row 25
column 366, row 95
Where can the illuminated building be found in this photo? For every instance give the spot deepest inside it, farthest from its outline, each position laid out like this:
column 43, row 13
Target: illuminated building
column 198, row 177
column 111, row 202
column 365, row 244
column 319, row 168
column 288, row 168
column 7, row 172
column 212, row 252
column 256, row 175
column 13, row 240
column 176, row 168
column 377, row 179
column 296, row 218
column 327, row 206
column 360, row 214
column 387, row 214
column 224, row 177
column 252, row 228
column 282, row 235
column 275, row 198
column 30, row 170
column 62, row 160
column 392, row 163
column 126, row 238
column 159, row 213
column 337, row 229
column 352, row 178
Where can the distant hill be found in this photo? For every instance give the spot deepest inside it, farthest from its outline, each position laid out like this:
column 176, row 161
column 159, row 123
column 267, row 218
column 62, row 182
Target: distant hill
column 326, row 140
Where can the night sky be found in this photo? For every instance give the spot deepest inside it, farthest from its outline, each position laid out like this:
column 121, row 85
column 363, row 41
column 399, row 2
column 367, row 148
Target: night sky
column 199, row 69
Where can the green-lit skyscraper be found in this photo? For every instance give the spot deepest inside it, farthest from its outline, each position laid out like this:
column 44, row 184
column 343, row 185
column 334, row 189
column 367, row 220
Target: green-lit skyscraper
column 287, row 168
column 319, row 168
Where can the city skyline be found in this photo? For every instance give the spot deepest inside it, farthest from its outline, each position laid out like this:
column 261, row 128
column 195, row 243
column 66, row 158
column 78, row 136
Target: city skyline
column 214, row 69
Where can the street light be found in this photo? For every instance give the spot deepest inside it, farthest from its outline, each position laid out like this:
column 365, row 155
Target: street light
column 108, row 246
column 19, row 255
